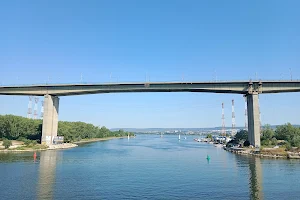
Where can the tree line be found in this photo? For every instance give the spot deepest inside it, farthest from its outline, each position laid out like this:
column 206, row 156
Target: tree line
column 286, row 134
column 15, row 128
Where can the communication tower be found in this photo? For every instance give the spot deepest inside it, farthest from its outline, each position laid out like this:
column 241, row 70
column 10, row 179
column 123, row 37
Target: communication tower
column 42, row 109
column 223, row 120
column 29, row 112
column 233, row 119
column 36, row 100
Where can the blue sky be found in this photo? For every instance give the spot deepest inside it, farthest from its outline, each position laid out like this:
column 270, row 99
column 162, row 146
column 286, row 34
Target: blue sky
column 58, row 41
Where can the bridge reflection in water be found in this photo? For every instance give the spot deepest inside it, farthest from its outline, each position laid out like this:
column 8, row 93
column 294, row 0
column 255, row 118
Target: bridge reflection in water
column 47, row 175
column 47, row 179
column 255, row 179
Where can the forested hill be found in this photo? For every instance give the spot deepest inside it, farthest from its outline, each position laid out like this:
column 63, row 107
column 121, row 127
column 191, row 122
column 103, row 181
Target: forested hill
column 16, row 127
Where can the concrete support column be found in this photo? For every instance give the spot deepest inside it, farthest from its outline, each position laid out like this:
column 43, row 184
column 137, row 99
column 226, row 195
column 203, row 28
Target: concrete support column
column 50, row 119
column 253, row 119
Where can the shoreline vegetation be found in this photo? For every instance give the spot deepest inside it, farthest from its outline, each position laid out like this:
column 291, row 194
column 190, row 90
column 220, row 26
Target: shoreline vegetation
column 19, row 134
column 283, row 142
column 39, row 147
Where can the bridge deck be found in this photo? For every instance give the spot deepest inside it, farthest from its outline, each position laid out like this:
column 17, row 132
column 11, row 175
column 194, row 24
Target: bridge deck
column 235, row 87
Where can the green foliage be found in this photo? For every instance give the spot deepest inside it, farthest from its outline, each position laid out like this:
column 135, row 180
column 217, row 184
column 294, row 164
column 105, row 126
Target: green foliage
column 7, row 143
column 288, row 146
column 246, row 143
column 267, row 133
column 241, row 135
column 266, row 142
column 295, row 142
column 209, row 136
column 15, row 127
column 274, row 141
column 30, row 143
column 23, row 129
column 76, row 131
column 286, row 132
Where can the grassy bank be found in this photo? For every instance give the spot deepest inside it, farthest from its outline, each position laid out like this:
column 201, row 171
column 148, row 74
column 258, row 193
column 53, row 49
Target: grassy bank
column 22, row 148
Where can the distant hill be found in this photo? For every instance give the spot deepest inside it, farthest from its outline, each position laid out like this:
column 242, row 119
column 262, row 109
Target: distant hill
column 180, row 129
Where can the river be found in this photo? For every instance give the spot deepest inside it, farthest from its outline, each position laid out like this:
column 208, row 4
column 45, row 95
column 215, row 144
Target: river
column 146, row 167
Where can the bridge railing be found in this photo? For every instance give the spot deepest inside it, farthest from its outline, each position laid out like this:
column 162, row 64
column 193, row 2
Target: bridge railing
column 141, row 82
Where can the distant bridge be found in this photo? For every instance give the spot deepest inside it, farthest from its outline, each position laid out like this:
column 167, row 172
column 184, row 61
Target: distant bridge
column 251, row 89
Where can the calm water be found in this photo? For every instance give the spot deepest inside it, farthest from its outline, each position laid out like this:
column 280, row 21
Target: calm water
column 146, row 167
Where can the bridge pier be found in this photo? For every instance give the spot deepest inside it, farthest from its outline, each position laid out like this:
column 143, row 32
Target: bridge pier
column 253, row 119
column 50, row 119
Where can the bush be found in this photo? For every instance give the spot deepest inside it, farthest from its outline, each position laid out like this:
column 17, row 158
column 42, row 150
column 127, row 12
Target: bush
column 21, row 139
column 295, row 142
column 32, row 143
column 266, row 142
column 288, row 146
column 26, row 142
column 7, row 143
column 209, row 136
column 246, row 143
column 29, row 143
column 274, row 141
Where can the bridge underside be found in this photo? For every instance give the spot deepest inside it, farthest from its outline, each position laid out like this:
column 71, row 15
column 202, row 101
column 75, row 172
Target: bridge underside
column 237, row 87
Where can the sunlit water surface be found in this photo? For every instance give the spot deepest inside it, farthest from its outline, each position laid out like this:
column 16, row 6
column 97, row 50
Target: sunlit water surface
column 146, row 167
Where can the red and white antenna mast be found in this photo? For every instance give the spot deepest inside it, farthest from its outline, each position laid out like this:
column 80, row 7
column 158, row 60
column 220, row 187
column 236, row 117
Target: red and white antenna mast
column 233, row 119
column 36, row 100
column 246, row 114
column 29, row 112
column 223, row 120
column 42, row 110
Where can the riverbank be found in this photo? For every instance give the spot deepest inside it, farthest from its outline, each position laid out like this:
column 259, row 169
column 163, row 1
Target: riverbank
column 266, row 152
column 97, row 139
column 18, row 146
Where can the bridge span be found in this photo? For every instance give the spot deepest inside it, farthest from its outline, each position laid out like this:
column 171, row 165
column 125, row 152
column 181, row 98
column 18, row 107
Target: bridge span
column 251, row 89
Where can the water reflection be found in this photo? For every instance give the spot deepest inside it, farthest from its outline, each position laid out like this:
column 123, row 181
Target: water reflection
column 47, row 170
column 255, row 179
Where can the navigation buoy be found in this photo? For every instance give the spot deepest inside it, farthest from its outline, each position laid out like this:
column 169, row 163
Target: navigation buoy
column 207, row 157
column 34, row 156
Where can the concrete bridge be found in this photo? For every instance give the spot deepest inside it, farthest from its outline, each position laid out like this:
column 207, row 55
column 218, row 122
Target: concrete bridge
column 251, row 89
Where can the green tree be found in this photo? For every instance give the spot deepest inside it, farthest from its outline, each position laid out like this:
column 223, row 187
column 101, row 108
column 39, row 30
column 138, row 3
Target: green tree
column 295, row 142
column 267, row 133
column 209, row 136
column 7, row 143
column 274, row 141
column 20, row 128
column 246, row 143
column 286, row 132
column 241, row 135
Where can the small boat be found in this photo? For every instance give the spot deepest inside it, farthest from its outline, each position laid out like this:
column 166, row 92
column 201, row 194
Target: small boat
column 219, row 145
column 179, row 137
column 185, row 138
